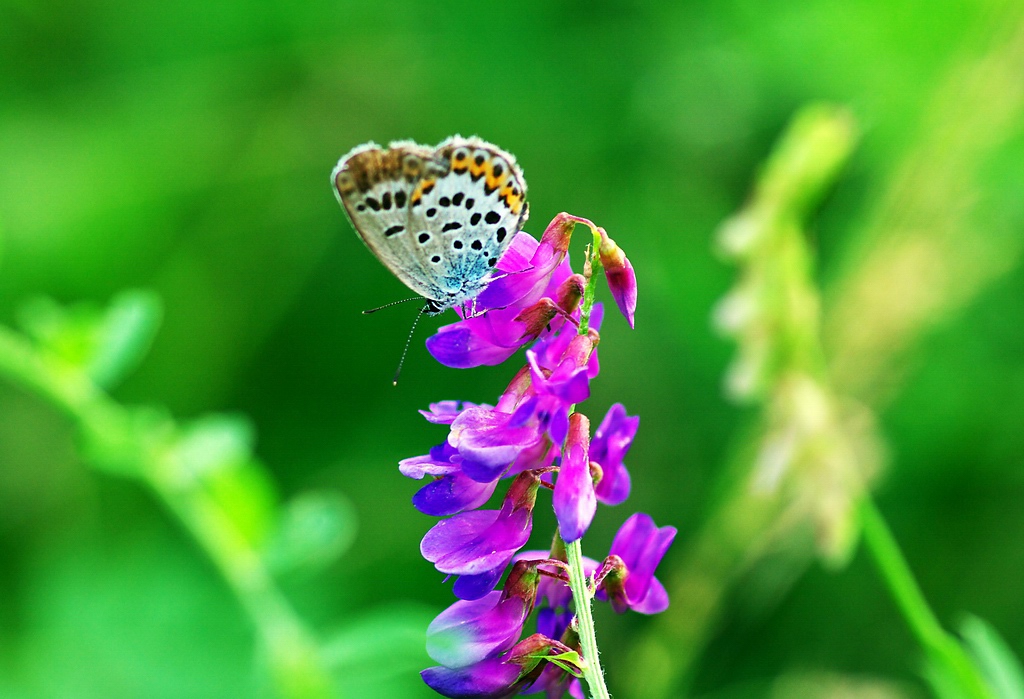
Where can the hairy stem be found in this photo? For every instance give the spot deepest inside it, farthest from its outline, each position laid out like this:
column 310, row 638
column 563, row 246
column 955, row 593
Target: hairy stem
column 581, row 597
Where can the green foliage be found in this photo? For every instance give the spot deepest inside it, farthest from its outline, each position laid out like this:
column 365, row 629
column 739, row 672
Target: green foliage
column 314, row 530
column 105, row 344
column 999, row 666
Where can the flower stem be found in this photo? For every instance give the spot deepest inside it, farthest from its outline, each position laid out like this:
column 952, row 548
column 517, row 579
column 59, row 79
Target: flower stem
column 943, row 651
column 590, row 291
column 581, row 594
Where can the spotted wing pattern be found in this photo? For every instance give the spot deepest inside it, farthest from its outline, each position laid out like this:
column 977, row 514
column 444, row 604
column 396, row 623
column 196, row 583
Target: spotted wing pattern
column 438, row 218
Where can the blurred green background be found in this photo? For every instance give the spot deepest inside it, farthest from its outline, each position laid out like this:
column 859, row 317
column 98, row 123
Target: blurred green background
column 185, row 148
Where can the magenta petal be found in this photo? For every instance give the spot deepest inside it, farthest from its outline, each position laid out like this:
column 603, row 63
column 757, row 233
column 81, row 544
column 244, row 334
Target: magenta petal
column 441, row 461
column 656, row 600
column 458, row 347
column 558, row 426
column 622, row 282
column 485, row 437
column 574, row 501
column 526, row 285
column 476, row 542
column 469, row 631
column 419, row 467
column 614, row 487
column 476, row 586
column 611, row 442
column 575, row 388
column 444, row 412
column 641, row 545
column 451, row 534
column 452, row 494
column 488, row 679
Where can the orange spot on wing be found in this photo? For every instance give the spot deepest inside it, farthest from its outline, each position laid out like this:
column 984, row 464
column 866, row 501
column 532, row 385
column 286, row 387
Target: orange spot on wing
column 477, row 170
column 459, row 166
column 423, row 186
column 492, row 181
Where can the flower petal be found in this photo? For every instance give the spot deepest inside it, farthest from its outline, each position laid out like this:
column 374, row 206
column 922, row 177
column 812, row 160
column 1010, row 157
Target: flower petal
column 469, row 631
column 452, row 494
column 574, row 501
column 488, row 679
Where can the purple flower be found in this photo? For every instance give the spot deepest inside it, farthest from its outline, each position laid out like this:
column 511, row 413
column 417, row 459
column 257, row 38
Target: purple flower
column 451, row 491
column 447, row 410
column 478, row 545
column 492, row 678
column 531, row 271
column 489, row 440
column 551, row 348
column 610, row 444
column 470, row 631
column 574, row 500
column 620, row 274
column 636, row 552
column 536, row 404
column 554, row 389
column 495, row 677
column 532, row 436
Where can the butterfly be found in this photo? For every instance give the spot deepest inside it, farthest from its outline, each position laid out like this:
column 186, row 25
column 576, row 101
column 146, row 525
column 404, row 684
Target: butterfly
column 438, row 218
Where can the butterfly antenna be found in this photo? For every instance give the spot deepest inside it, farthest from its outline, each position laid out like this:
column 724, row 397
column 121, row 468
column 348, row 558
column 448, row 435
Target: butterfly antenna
column 389, row 305
column 408, row 341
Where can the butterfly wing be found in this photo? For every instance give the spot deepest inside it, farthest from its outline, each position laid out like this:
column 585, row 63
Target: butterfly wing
column 439, row 218
column 375, row 185
column 472, row 214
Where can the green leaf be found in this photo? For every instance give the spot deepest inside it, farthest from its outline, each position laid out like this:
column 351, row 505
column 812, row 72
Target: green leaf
column 214, row 453
column 127, row 332
column 571, row 662
column 104, row 344
column 214, row 443
column 997, row 663
column 315, row 529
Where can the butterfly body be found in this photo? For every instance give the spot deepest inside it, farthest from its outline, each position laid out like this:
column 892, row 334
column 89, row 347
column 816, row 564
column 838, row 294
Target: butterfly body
column 438, row 218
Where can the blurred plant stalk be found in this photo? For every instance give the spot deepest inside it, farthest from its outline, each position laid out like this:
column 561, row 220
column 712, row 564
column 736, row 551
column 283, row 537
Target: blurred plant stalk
column 148, row 446
column 926, row 253
column 810, row 454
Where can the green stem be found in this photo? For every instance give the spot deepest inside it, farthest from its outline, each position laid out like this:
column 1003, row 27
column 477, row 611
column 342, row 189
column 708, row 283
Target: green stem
column 590, row 291
column 581, row 595
column 298, row 667
column 942, row 649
